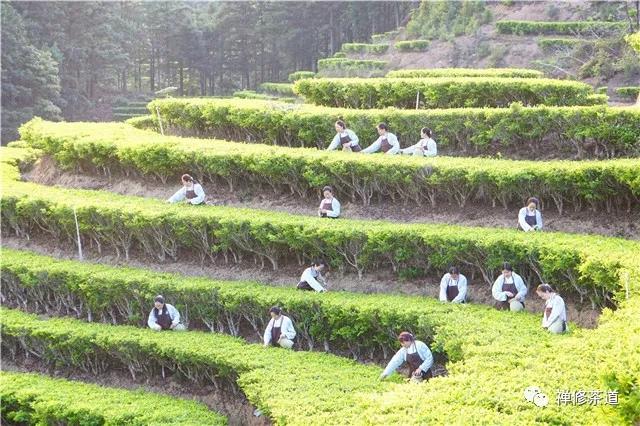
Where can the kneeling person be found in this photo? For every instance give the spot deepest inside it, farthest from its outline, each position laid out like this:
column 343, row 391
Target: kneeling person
column 509, row 290
column 280, row 330
column 415, row 353
column 164, row 316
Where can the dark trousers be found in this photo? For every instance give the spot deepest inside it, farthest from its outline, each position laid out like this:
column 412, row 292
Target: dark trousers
column 303, row 285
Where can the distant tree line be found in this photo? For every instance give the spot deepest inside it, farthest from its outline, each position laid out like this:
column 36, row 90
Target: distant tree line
column 70, row 59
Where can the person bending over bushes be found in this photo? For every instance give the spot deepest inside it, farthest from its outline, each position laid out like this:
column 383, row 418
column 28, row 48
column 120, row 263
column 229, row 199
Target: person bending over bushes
column 329, row 206
column 345, row 138
column 387, row 142
column 312, row 279
column 416, row 354
column 509, row 290
column 164, row 316
column 191, row 191
column 280, row 330
column 555, row 312
column 426, row 146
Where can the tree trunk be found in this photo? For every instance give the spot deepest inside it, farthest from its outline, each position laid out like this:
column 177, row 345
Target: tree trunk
column 331, row 32
column 152, row 71
column 262, row 62
column 181, row 73
column 203, row 83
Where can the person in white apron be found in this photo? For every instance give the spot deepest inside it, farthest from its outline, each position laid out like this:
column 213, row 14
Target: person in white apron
column 416, row 354
column 426, row 146
column 554, row 318
column 529, row 217
column 387, row 143
column 191, row 191
column 164, row 316
column 312, row 279
column 329, row 206
column 279, row 331
column 344, row 138
column 509, row 290
column 453, row 286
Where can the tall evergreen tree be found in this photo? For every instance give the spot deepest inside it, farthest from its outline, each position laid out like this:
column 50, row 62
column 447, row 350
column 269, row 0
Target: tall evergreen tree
column 30, row 84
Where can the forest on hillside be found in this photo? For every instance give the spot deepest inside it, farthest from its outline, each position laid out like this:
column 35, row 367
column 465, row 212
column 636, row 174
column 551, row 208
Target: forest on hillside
column 66, row 59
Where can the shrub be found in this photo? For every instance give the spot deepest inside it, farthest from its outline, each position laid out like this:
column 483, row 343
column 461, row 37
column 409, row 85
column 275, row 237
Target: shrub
column 444, row 19
column 373, row 49
column 301, row 75
column 340, row 64
column 280, row 89
column 385, row 37
column 559, row 132
column 250, row 94
column 453, row 92
column 596, row 28
column 412, row 45
column 465, row 72
column 36, row 399
column 628, row 92
column 140, row 110
column 202, row 359
column 552, row 44
column 634, row 41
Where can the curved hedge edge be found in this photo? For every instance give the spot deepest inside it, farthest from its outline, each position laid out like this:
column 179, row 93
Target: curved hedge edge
column 34, row 398
column 565, row 132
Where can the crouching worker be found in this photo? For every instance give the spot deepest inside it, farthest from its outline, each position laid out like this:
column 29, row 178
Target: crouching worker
column 329, row 206
column 453, row 286
column 164, row 316
column 280, row 330
column 555, row 313
column 312, row 279
column 509, row 290
column 191, row 191
column 416, row 354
